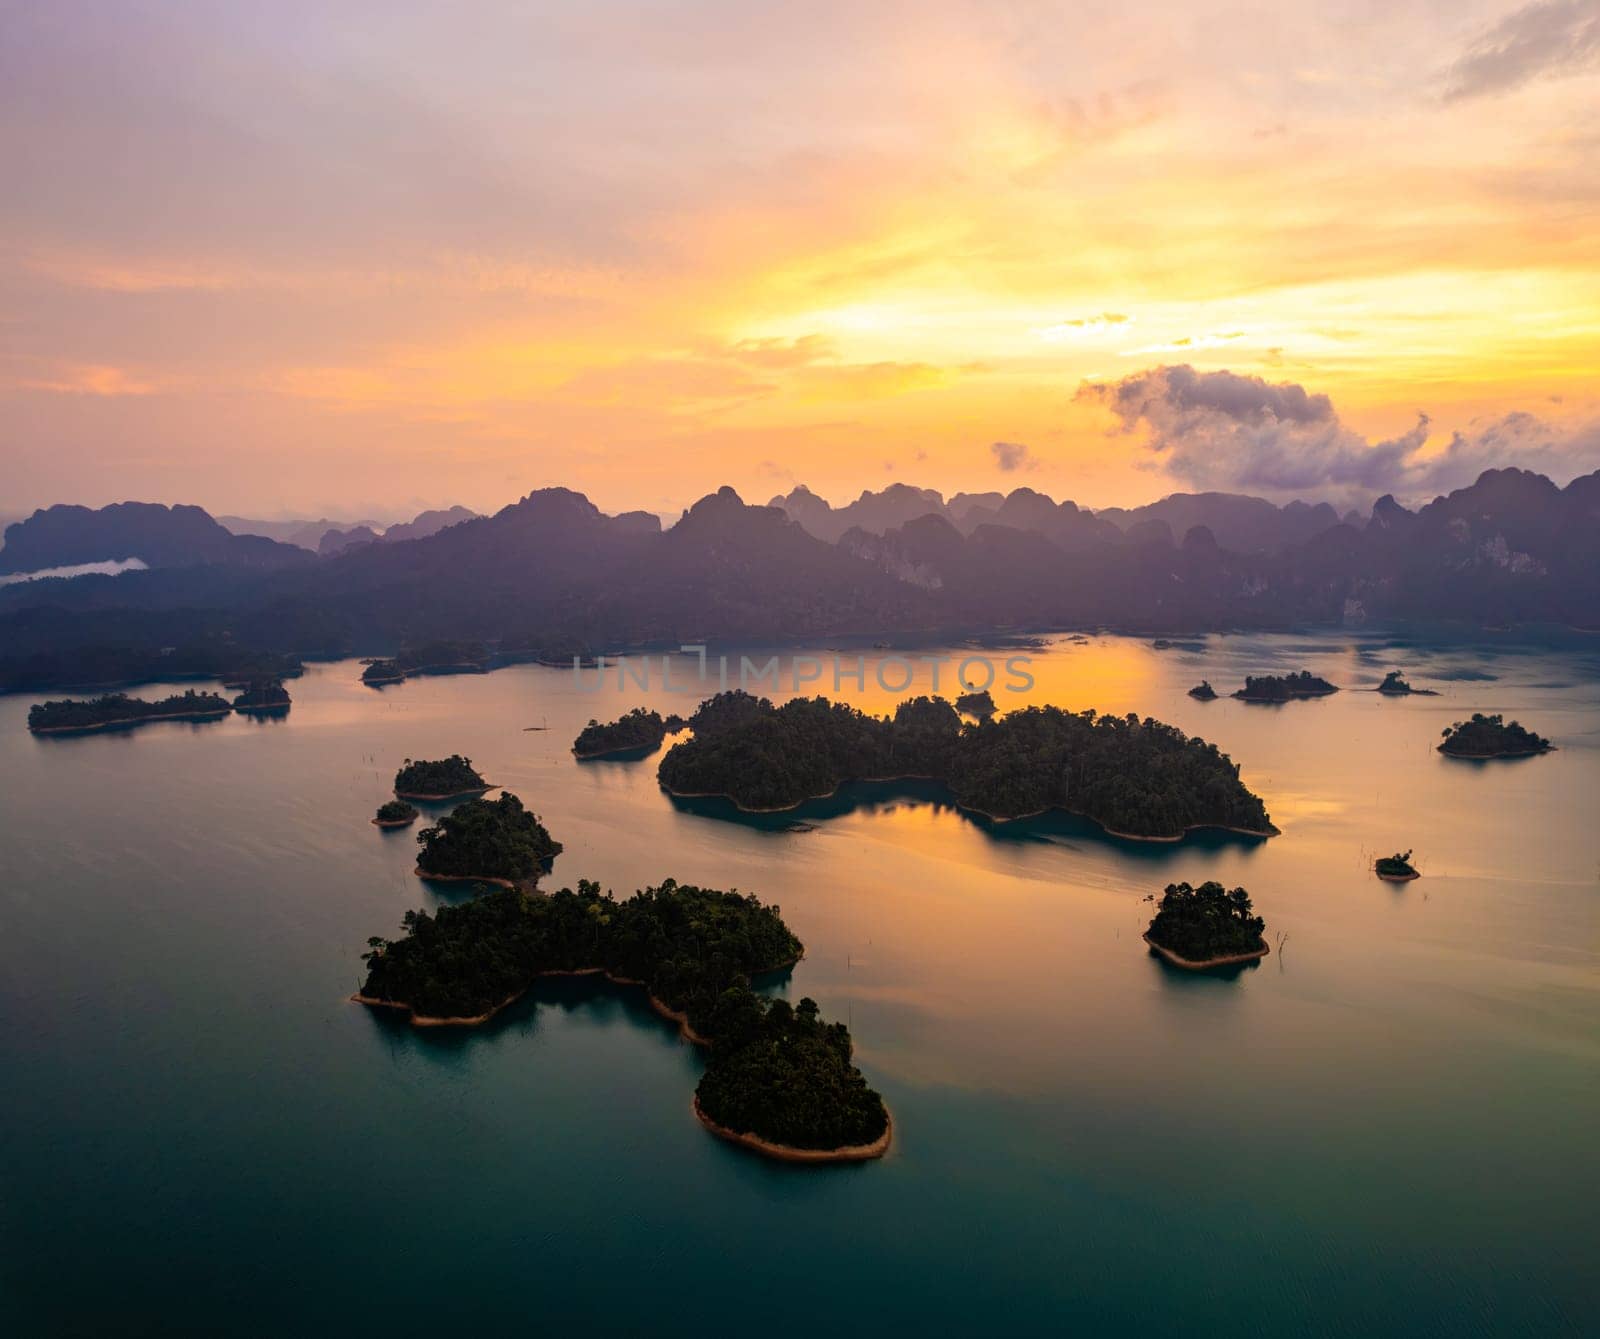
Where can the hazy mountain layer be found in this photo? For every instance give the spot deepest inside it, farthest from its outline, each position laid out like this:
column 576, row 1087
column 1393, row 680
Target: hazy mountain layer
column 552, row 575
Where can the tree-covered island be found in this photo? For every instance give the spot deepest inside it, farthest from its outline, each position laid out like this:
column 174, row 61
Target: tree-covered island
column 263, row 697
column 487, row 841
column 380, row 672
column 1203, row 691
column 1208, row 926
column 253, row 667
column 978, row 705
column 441, row 779
column 1491, row 737
column 1396, row 868
column 1394, row 685
column 395, row 814
column 778, row 1079
column 639, row 732
column 1135, row 777
column 118, row 710
column 1284, row 687
column 443, row 657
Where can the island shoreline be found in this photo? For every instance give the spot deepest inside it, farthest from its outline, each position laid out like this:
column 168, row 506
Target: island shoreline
column 1503, row 753
column 1272, row 831
column 131, row 720
column 511, row 884
column 766, row 1147
column 660, row 1006
column 448, row 795
column 788, row 1153
column 1205, row 964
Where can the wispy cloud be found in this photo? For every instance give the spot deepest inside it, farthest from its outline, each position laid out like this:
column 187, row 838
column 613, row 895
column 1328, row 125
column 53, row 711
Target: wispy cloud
column 92, row 381
column 1553, row 37
column 1081, row 327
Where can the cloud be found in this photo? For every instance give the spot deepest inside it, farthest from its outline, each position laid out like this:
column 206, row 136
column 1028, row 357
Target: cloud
column 1221, row 430
column 1212, row 340
column 1553, row 37
column 868, row 381
column 1081, row 327
column 1012, row 456
column 781, row 353
column 1518, row 438
column 93, row 380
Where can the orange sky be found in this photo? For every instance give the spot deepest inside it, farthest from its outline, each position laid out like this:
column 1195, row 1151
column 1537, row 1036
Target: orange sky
column 363, row 258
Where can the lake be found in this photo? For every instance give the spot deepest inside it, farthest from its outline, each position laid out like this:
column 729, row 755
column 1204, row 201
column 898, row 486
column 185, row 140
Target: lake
column 1388, row 1126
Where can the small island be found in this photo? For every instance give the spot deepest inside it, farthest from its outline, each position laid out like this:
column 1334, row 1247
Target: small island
column 1284, row 687
column 442, row 657
column 1203, row 691
column 639, row 733
column 1205, row 927
column 487, row 841
column 778, row 1079
column 1395, row 685
column 979, row 705
column 380, row 672
column 254, row 667
column 1137, row 778
column 1491, row 737
column 263, row 697
column 395, row 814
column 1396, row 868
column 443, row 779
column 118, row 711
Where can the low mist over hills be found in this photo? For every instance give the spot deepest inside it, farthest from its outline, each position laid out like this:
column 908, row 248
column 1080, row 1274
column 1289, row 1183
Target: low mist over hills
column 552, row 575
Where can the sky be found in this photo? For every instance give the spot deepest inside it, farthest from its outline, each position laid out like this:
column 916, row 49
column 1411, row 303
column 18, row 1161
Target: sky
column 361, row 258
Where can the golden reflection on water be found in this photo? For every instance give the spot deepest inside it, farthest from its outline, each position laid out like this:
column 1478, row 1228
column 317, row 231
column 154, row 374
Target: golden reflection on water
column 1107, row 674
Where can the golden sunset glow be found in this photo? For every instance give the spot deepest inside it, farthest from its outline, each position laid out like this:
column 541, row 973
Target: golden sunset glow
column 410, row 262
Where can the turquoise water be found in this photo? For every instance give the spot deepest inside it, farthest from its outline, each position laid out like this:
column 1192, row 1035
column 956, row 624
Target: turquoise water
column 1387, row 1127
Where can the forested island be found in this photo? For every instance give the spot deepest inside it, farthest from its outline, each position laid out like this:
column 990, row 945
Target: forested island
column 487, row 841
column 117, row 710
column 1491, row 737
column 1208, row 926
column 263, row 697
column 979, row 705
column 1396, row 868
column 395, row 814
column 441, row 779
column 1135, row 777
column 1284, row 687
column 1203, row 691
column 639, row 731
column 442, row 657
column 778, row 1079
column 1394, row 685
column 261, row 667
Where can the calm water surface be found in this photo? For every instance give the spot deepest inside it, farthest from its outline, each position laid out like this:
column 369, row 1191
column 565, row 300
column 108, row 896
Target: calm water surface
column 1387, row 1127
